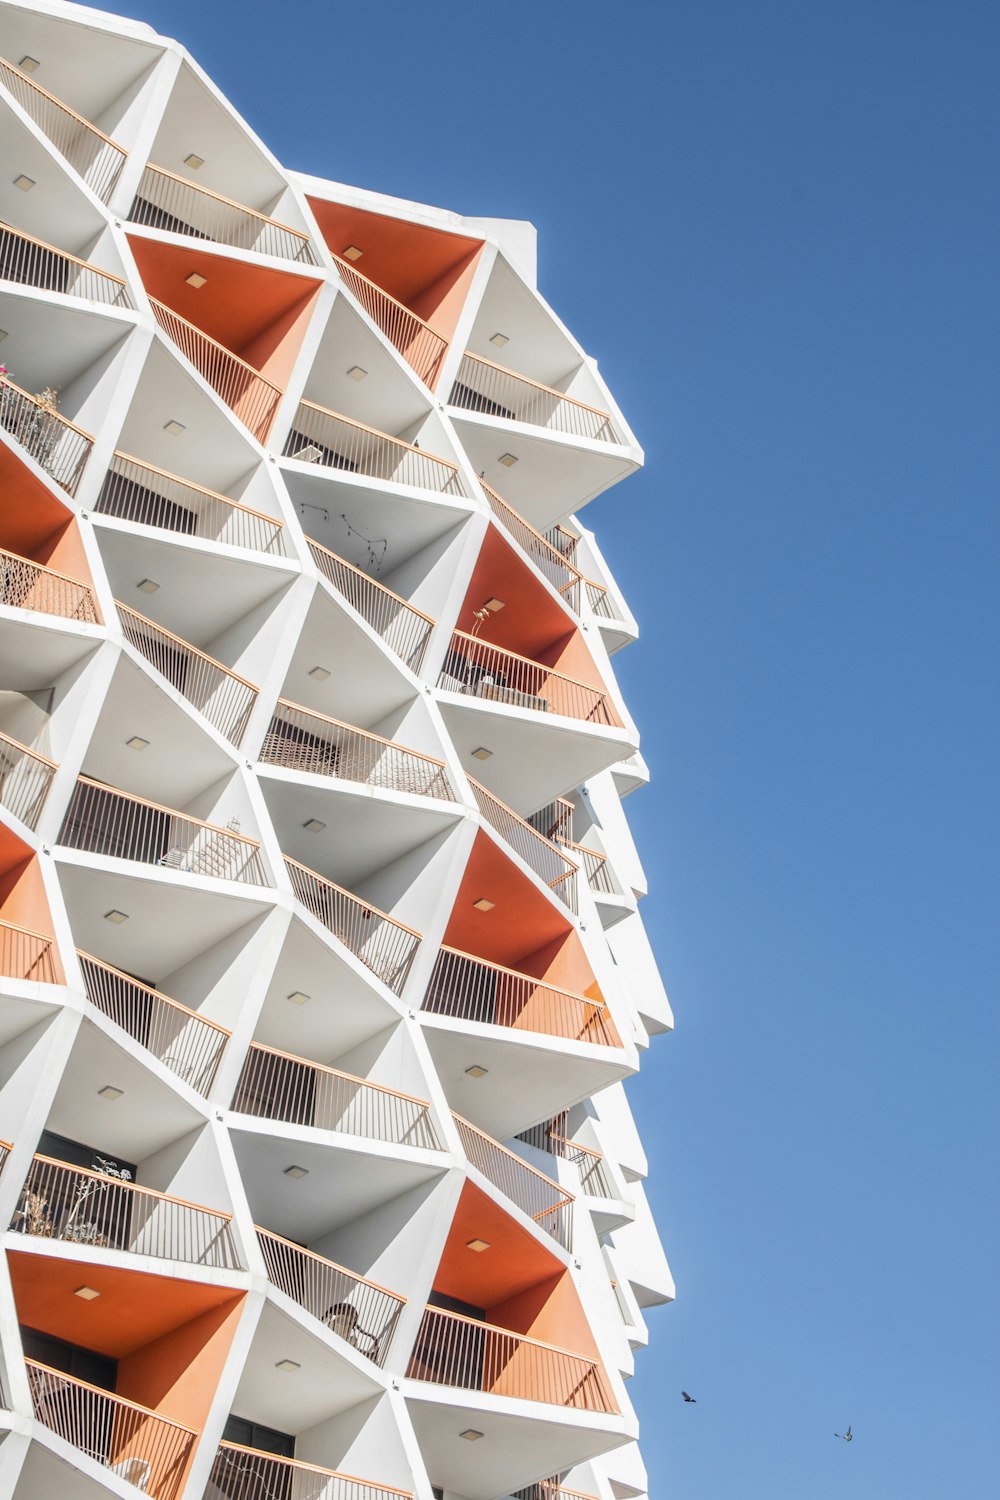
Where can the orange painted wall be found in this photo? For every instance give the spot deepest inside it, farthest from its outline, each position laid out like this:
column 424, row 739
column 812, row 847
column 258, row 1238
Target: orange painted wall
column 273, row 352
column 442, row 302
column 30, row 516
column 514, row 1262
column 23, row 901
column 177, row 1373
column 550, row 1311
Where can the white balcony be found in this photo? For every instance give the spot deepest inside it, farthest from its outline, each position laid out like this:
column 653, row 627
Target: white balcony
column 148, row 496
column 25, row 778
column 96, row 158
column 57, row 445
column 539, row 1197
column 166, row 201
column 332, row 441
column 220, row 695
column 240, row 1473
column 32, row 262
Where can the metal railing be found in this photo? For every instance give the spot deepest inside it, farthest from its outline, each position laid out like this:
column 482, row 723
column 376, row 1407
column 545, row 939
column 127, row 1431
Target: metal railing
column 55, row 443
column 27, row 585
column 547, row 860
column 473, row 989
column 240, row 1473
column 6, row 1147
column 538, row 1196
column 139, row 492
column 102, row 820
column 383, row 945
column 92, row 154
column 136, row 1444
column 323, row 437
column 455, row 1350
column 475, row 667
column 166, row 201
column 563, row 577
column 244, row 390
column 187, row 1043
column 600, row 600
column 420, row 346
column 279, row 1086
column 564, row 542
column 404, row 628
column 551, row 1137
column 555, row 820
column 551, row 1489
column 300, row 739
column 25, row 778
column 32, row 262
column 82, row 1207
column 359, row 1310
column 26, row 955
column 486, row 387
column 223, row 697
column 596, row 868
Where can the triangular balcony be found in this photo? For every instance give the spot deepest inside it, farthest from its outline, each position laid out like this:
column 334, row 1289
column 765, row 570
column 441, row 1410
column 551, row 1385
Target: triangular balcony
column 404, row 628
column 240, row 1473
column 148, row 496
column 300, row 739
column 553, row 868
column 92, row 155
column 382, row 944
column 488, row 994
column 484, row 387
column 542, row 1199
column 251, row 398
column 166, row 201
column 331, row 441
column 32, row 262
column 57, row 445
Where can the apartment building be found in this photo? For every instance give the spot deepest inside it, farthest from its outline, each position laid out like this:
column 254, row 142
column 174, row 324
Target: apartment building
column 321, row 968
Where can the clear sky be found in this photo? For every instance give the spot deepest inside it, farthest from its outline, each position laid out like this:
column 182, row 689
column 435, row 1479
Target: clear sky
column 776, row 224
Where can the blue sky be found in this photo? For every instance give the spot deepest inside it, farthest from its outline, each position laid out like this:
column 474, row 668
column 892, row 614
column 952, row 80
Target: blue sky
column 776, row 224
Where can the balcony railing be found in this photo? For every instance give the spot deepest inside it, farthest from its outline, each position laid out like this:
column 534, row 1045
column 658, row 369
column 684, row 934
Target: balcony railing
column 132, row 1442
column 103, row 820
column 25, row 954
column 166, row 201
column 81, row 1207
column 474, row 667
column 31, row 262
column 600, row 600
column 93, row 155
column 550, row 1136
column 383, row 945
column 244, row 390
column 420, row 346
column 223, row 697
column 564, row 541
column 139, row 492
column 324, row 437
column 405, row 629
column 595, row 867
column 279, row 1086
column 25, row 778
column 555, row 820
column 27, row 585
column 454, row 1350
column 248, row 1474
column 549, row 863
column 551, row 1489
column 538, row 1196
column 300, row 739
column 55, row 443
column 187, row 1043
column 359, row 1310
column 471, row 989
column 563, row 577
column 6, row 1147
column 485, row 387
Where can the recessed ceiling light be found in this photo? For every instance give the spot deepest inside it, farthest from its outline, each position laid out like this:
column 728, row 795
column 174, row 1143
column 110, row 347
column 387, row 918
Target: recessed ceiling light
column 483, row 905
column 318, row 674
column 296, row 1172
column 478, row 1245
column 196, row 280
column 173, row 427
column 495, row 605
column 476, row 1071
column 481, row 753
column 28, row 64
column 299, row 997
column 507, row 459
column 86, row 1292
column 147, row 586
column 110, row 1092
column 356, row 372
column 194, row 161
column 313, row 825
column 471, row 1435
column 499, row 339
column 24, row 182
column 308, row 454
column 137, row 742
column 352, row 252
column 287, row 1365
column 118, row 917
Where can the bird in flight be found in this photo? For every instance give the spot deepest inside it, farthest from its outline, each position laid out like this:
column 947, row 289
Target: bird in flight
column 847, row 1436
column 694, row 1402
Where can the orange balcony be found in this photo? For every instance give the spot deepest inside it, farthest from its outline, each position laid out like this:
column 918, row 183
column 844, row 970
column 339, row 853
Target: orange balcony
column 187, row 1043
column 323, row 437
column 166, row 201
column 300, row 739
column 26, row 955
column 278, row 1086
column 472, row 989
column 55, row 443
column 140, row 492
column 129, row 1440
column 477, row 669
column 482, row 386
column 31, row 262
column 244, row 390
column 81, row 1207
column 359, row 1310
column 223, row 697
column 454, row 1350
column 383, row 945
column 541, row 1198
column 248, row 1474
column 27, row 585
column 550, row 562
column 25, row 778
column 93, row 155
column 405, row 629
column 545, row 858
column 102, row 820
column 416, row 341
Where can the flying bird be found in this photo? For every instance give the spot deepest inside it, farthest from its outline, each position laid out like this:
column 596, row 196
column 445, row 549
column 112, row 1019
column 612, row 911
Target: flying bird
column 847, row 1436
column 694, row 1402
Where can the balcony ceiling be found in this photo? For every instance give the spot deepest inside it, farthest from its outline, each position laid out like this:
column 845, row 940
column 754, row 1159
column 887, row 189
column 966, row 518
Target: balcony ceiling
column 403, row 258
column 55, row 210
column 50, row 344
column 389, row 397
column 537, row 346
column 341, row 513
column 293, row 1401
column 366, row 681
column 531, row 622
column 84, row 66
column 36, row 649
